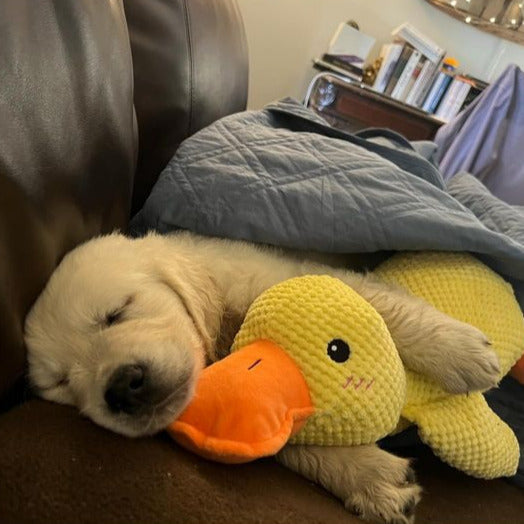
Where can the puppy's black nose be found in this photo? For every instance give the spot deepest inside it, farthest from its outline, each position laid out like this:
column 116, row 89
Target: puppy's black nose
column 127, row 389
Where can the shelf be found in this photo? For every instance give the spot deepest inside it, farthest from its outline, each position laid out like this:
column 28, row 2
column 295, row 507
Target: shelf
column 350, row 101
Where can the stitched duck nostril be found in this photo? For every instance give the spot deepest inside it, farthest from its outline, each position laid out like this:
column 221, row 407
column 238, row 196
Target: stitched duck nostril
column 256, row 363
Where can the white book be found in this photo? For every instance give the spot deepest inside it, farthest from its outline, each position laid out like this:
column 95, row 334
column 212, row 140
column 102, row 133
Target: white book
column 421, row 98
column 435, row 88
column 448, row 100
column 352, row 44
column 419, row 41
column 454, row 98
column 391, row 55
column 384, row 51
column 405, row 77
column 414, row 78
column 462, row 93
column 419, row 84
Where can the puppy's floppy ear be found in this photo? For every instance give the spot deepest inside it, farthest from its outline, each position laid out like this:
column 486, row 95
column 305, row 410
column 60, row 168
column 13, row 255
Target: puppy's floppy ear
column 199, row 293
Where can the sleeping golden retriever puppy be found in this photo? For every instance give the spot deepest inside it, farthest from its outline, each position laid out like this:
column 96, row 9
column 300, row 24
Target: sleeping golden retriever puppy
column 124, row 326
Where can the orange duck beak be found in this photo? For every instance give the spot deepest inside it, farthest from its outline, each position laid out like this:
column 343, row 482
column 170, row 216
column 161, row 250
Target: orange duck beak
column 246, row 406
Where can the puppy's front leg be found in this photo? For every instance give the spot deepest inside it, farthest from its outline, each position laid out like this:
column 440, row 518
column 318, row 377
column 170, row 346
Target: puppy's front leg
column 371, row 482
column 455, row 354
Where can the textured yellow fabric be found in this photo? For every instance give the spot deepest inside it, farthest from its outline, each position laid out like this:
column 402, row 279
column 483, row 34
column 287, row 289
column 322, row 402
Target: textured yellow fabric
column 462, row 429
column 358, row 400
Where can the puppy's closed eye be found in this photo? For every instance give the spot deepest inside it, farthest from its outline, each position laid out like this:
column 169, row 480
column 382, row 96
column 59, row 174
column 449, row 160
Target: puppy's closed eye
column 113, row 317
column 58, row 383
column 116, row 315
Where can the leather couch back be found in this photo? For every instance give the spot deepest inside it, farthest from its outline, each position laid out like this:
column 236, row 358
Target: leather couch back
column 67, row 145
column 190, row 67
column 68, row 130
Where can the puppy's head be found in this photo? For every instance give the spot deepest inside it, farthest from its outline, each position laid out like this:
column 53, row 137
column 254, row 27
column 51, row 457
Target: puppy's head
column 121, row 331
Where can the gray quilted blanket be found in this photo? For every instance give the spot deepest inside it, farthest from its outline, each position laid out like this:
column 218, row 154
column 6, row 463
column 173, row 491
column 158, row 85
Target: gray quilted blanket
column 283, row 176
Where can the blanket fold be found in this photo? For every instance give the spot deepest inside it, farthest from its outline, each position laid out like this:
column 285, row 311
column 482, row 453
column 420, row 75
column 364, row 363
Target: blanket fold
column 283, row 176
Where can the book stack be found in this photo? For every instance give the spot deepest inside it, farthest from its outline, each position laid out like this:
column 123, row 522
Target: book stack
column 452, row 101
column 414, row 70
column 348, row 50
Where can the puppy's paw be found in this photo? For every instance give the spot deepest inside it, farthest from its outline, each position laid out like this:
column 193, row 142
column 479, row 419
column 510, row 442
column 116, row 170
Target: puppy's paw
column 390, row 497
column 467, row 361
column 372, row 483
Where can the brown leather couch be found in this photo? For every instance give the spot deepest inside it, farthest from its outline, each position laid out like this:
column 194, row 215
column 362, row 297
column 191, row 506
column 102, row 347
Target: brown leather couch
column 95, row 96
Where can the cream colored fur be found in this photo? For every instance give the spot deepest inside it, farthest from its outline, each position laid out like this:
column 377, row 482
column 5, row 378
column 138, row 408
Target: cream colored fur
column 372, row 483
column 176, row 298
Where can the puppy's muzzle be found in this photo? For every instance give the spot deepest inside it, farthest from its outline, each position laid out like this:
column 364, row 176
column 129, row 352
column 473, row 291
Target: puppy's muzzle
column 130, row 390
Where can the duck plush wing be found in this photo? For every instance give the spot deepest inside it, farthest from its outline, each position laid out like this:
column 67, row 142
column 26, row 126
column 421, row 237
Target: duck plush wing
column 462, row 429
column 464, row 432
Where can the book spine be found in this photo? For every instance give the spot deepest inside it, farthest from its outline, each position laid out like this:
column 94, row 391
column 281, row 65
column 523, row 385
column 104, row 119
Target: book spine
column 387, row 68
column 455, row 110
column 419, row 41
column 444, row 84
column 423, row 77
column 329, row 66
column 414, row 78
column 407, row 73
column 383, row 55
column 448, row 100
column 402, row 61
column 339, row 61
column 433, row 91
column 428, row 86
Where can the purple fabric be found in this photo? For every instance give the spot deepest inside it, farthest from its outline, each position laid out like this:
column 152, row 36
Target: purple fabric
column 487, row 138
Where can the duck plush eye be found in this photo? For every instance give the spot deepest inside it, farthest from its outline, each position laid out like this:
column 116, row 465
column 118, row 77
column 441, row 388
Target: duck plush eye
column 338, row 350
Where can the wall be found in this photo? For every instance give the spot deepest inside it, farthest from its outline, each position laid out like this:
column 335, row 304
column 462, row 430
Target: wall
column 285, row 35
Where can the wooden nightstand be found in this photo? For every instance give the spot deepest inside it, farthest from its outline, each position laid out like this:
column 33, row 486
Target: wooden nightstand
column 352, row 106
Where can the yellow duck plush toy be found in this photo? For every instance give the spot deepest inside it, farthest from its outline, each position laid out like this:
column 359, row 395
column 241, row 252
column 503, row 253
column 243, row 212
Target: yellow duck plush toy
column 461, row 429
column 314, row 363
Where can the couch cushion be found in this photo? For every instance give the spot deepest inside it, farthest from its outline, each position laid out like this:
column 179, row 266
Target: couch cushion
column 67, row 146
column 56, row 467
column 62, row 468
